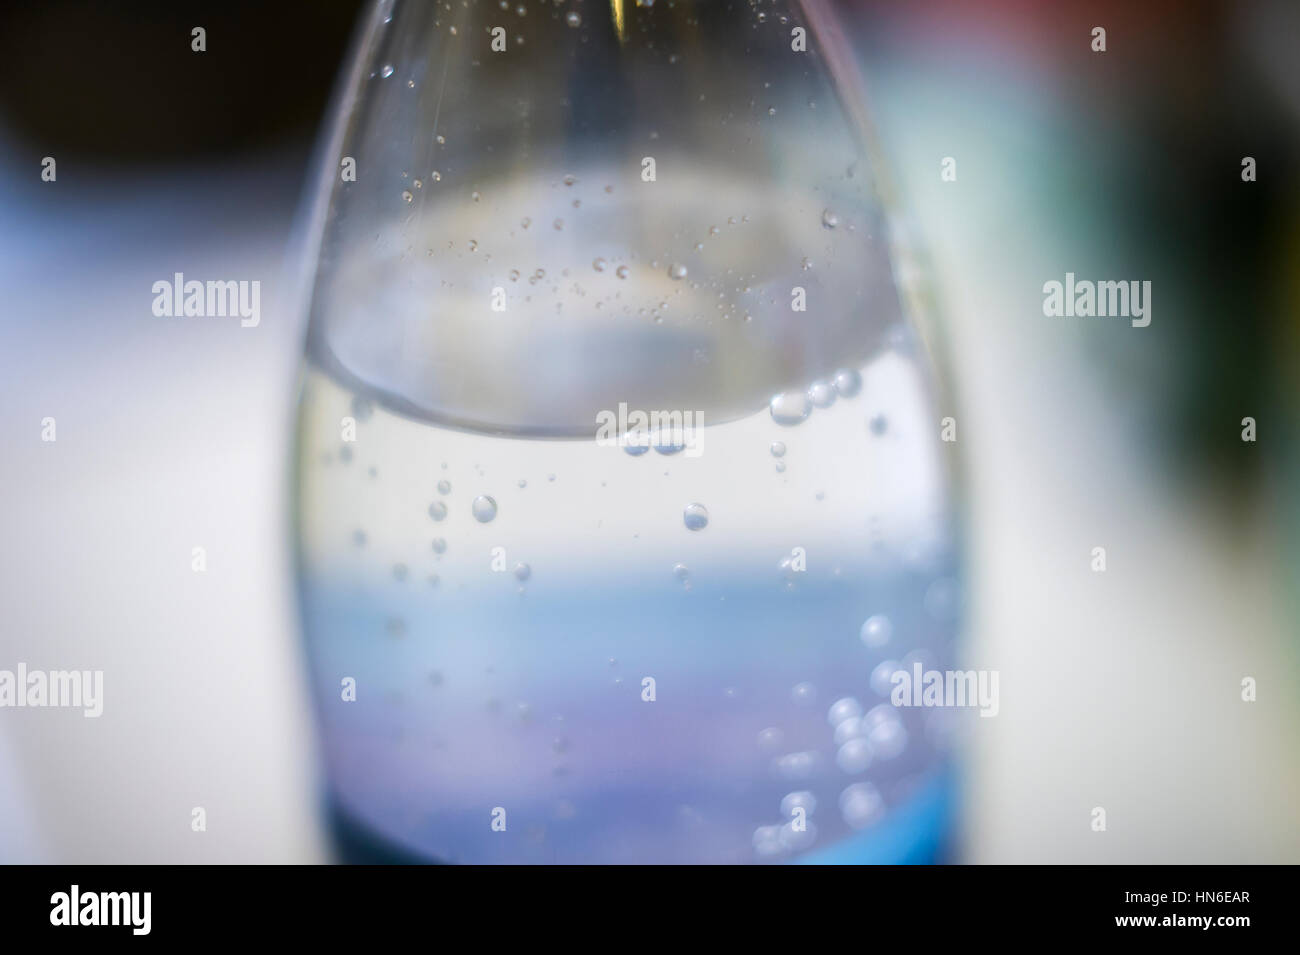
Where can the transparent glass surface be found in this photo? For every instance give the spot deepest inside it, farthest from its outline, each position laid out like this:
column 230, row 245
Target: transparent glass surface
column 621, row 491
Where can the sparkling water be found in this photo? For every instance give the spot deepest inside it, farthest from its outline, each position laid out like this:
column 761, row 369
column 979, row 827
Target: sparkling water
column 531, row 645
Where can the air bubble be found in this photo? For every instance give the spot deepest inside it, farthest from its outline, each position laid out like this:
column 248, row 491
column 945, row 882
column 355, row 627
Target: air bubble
column 439, row 545
column 444, row 487
column 621, row 271
column 677, row 272
column 387, row 71
column 805, row 694
column 483, row 508
column 861, row 804
column 778, row 449
column 523, row 571
column 830, row 219
column 822, row 393
column 854, row 756
column 437, row 510
column 876, row 631
column 696, row 517
column 790, row 407
column 847, row 382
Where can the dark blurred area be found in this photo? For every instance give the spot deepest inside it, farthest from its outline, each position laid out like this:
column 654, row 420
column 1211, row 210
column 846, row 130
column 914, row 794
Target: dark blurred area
column 103, row 84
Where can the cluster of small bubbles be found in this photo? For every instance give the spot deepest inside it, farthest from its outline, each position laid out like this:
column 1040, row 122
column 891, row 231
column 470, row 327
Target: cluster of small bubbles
column 797, row 839
column 677, row 272
column 854, row 756
column 523, row 572
column 881, row 680
column 885, row 731
column 406, row 195
column 876, row 631
column 484, row 508
column 804, row 694
column 845, row 708
column 387, row 71
column 847, row 382
column 444, row 486
column 822, row 393
column 439, row 545
column 800, row 799
column 437, row 510
column 830, row 219
column 399, row 571
column 359, row 538
column 621, row 271
column 861, row 804
column 790, row 407
column 778, row 449
column 695, row 516
column 879, row 424
column 767, row 842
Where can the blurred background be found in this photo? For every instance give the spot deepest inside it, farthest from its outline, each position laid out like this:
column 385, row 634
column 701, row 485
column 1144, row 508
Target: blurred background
column 1119, row 689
